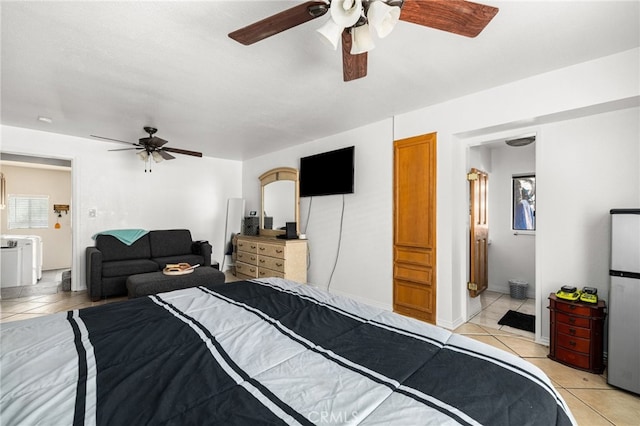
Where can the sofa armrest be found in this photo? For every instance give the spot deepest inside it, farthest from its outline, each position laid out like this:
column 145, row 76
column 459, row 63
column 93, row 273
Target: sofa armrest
column 94, row 273
column 204, row 249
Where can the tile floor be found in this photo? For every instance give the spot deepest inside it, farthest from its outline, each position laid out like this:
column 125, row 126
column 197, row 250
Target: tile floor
column 591, row 399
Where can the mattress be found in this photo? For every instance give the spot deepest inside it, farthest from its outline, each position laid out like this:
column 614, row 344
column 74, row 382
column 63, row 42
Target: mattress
column 260, row 352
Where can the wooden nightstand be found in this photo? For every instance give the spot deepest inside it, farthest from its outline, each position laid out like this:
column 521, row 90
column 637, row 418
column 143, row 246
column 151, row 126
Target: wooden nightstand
column 577, row 333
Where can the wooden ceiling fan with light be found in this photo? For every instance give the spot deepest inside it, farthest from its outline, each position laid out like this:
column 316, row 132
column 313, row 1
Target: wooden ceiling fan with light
column 353, row 21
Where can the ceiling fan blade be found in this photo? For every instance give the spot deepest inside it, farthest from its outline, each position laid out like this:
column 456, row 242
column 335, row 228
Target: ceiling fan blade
column 279, row 22
column 124, row 149
column 182, row 151
column 353, row 66
column 114, row 140
column 157, row 142
column 153, row 142
column 455, row 16
column 165, row 155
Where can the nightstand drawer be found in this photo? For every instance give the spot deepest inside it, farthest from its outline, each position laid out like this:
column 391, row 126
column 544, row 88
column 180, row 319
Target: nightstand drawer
column 574, row 343
column 572, row 330
column 576, row 359
column 271, row 250
column 271, row 263
column 574, row 309
column 573, row 321
column 246, row 269
column 250, row 258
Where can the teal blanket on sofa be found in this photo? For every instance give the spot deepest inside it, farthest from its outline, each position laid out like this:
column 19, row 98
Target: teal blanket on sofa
column 127, row 236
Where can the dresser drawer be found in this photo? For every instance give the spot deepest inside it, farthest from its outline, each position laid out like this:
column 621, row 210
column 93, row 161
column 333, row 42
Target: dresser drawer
column 264, row 273
column 574, row 321
column 574, row 343
column 247, row 246
column 574, row 309
column 272, row 263
column 576, row 359
column 271, row 250
column 246, row 257
column 246, row 269
column 572, row 330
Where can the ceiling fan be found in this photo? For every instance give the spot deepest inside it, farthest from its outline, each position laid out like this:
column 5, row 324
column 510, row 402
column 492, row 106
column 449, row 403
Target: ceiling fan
column 352, row 20
column 151, row 147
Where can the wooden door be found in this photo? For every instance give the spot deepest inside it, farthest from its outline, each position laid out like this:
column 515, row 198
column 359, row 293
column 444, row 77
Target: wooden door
column 479, row 235
column 414, row 233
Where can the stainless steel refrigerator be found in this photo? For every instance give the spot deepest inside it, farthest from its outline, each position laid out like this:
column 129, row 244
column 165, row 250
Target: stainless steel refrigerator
column 624, row 300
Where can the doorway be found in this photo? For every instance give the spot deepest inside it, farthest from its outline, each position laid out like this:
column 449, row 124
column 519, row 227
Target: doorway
column 511, row 251
column 37, row 215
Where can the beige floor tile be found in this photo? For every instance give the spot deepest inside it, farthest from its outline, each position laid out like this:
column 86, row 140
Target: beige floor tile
column 505, row 303
column 528, row 307
column 469, row 328
column 19, row 307
column 524, row 347
column 570, row 378
column 487, row 318
column 49, row 298
column 583, row 414
column 488, row 297
column 617, row 406
column 491, row 340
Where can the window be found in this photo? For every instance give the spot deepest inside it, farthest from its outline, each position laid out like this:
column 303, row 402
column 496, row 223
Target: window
column 524, row 203
column 28, row 211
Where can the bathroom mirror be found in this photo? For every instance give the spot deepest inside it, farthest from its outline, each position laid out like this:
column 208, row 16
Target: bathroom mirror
column 280, row 200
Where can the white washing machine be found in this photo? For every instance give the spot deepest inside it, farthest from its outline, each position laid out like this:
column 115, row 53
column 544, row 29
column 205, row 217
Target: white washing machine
column 10, row 266
column 31, row 259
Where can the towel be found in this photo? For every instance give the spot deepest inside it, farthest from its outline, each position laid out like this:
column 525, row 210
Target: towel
column 127, row 236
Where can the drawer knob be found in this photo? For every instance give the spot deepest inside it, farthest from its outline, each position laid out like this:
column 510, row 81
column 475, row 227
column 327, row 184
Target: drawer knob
column 262, row 248
column 261, row 260
column 278, row 251
column 572, row 320
column 572, row 331
column 278, row 264
column 572, row 343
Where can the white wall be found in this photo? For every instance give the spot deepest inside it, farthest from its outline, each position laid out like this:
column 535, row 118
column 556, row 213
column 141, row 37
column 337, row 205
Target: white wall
column 363, row 270
column 591, row 89
column 187, row 192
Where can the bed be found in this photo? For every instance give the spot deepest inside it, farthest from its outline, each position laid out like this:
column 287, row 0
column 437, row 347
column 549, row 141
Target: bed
column 260, row 352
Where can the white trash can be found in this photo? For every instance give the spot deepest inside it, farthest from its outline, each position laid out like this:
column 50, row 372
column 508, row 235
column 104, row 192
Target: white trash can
column 518, row 289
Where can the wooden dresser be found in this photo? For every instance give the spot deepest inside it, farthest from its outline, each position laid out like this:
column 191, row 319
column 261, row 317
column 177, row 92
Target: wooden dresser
column 261, row 257
column 577, row 333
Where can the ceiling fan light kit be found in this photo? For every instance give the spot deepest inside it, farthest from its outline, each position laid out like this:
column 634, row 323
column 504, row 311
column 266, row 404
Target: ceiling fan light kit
column 354, row 20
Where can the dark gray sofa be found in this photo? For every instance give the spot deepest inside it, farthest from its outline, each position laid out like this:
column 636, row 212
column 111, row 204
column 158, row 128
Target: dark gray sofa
column 111, row 262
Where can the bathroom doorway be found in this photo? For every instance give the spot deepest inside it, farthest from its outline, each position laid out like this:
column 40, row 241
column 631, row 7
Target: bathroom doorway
column 511, row 246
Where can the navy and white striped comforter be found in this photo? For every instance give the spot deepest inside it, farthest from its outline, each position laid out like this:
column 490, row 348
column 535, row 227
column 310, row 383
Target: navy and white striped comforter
column 260, row 352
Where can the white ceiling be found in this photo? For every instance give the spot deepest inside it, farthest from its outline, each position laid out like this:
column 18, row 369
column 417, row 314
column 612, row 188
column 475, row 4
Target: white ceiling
column 110, row 68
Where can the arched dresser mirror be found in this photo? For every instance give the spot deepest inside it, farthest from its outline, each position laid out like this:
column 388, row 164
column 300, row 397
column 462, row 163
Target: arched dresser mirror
column 280, row 200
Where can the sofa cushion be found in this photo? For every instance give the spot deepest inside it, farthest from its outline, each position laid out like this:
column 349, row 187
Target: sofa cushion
column 170, row 242
column 191, row 259
column 114, row 249
column 119, row 268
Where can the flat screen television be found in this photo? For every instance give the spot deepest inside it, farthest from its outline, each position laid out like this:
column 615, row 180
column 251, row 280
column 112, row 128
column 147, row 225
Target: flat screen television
column 328, row 173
